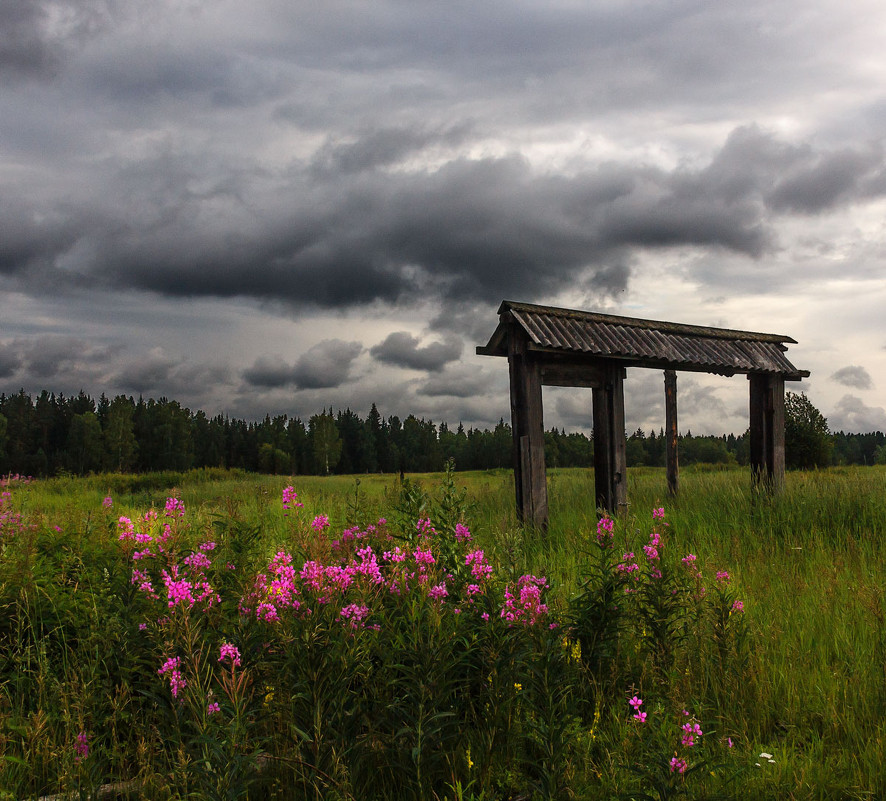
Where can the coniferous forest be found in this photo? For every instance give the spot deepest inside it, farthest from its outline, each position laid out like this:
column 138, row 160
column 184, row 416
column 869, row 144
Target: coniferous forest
column 54, row 434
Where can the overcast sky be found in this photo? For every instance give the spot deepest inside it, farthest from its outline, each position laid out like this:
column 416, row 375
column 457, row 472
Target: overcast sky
column 281, row 205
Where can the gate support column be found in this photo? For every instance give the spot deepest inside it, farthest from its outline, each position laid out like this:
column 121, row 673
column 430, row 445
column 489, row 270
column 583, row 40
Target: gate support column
column 767, row 430
column 610, row 458
column 527, row 425
column 670, row 380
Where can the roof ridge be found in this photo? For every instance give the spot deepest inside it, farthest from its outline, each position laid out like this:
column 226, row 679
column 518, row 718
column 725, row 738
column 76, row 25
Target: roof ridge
column 684, row 329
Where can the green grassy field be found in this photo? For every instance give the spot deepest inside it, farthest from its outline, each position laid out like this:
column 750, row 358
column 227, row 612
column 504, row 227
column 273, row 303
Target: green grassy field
column 440, row 705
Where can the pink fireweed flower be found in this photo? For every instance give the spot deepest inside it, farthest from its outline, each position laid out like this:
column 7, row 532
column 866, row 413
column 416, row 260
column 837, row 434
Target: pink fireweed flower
column 354, row 615
column 207, row 546
column 197, row 561
column 640, row 717
column 207, row 594
column 636, row 703
column 423, row 559
column 174, row 508
column 480, row 569
column 107, row 502
column 689, row 559
column 463, row 533
column 267, row 612
column 438, row 592
column 658, row 514
column 143, row 580
column 678, row 765
column 81, row 747
column 212, row 708
column 170, row 669
column 722, row 577
column 290, row 499
column 178, row 591
column 397, row 555
column 605, row 532
column 424, row 528
column 127, row 529
column 320, row 523
column 231, row 653
column 526, row 607
column 737, row 606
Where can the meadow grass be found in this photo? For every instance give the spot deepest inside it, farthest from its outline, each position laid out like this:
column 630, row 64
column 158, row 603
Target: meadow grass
column 808, row 685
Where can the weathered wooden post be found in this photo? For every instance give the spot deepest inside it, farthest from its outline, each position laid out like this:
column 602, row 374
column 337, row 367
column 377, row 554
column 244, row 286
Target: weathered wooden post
column 527, row 426
column 610, row 456
column 766, row 436
column 670, row 380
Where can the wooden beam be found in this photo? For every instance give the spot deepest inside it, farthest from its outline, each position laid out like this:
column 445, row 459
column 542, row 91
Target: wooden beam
column 568, row 373
column 670, row 380
column 527, row 425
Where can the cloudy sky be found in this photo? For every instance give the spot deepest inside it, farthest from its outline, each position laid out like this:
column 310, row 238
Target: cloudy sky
column 280, row 205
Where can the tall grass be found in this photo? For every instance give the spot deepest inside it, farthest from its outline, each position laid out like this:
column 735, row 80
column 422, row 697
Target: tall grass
column 434, row 704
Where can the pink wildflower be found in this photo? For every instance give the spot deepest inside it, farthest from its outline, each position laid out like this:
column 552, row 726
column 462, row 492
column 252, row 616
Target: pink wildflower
column 438, row 592
column 737, row 606
column 174, row 508
column 605, row 531
column 197, row 561
column 678, row 765
column 462, row 533
column 81, row 747
column 290, row 499
column 320, row 523
column 231, row 652
column 658, row 514
column 212, row 708
column 176, row 681
column 354, row 614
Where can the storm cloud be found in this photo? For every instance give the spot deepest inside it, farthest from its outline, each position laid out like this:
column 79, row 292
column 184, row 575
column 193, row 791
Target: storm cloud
column 854, row 376
column 401, row 349
column 326, row 365
column 387, row 173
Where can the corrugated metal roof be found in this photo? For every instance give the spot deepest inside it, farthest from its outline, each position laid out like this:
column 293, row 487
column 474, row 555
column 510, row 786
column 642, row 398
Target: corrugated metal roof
column 648, row 343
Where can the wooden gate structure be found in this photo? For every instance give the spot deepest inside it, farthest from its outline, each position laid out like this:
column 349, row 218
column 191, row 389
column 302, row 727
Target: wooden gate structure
column 547, row 346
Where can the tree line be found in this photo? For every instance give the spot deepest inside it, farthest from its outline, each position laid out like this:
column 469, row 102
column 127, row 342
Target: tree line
column 54, row 434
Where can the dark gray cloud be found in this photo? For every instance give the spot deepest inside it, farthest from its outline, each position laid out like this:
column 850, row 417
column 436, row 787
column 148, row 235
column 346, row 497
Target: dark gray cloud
column 22, row 48
column 324, row 366
column 853, row 376
column 143, row 373
column 852, row 414
column 10, row 361
column 821, row 181
column 401, row 349
column 327, row 364
column 270, row 373
column 462, row 232
column 374, row 149
column 292, row 159
column 458, row 382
